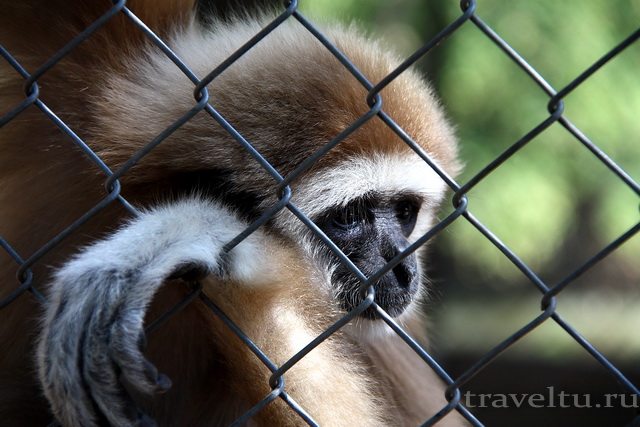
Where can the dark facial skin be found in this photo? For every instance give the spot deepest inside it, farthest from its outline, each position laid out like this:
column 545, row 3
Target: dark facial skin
column 371, row 231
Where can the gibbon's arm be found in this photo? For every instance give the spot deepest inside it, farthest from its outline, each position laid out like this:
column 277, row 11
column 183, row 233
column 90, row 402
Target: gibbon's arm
column 93, row 327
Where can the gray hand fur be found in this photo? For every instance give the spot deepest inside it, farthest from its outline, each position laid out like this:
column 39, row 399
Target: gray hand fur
column 93, row 327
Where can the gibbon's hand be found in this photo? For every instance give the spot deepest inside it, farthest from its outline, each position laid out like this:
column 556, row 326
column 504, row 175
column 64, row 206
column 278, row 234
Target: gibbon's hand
column 93, row 327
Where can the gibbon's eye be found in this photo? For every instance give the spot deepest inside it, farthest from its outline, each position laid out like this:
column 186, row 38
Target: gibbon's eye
column 407, row 214
column 350, row 217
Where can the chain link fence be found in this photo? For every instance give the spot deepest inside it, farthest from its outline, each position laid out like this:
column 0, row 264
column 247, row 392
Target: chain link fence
column 462, row 209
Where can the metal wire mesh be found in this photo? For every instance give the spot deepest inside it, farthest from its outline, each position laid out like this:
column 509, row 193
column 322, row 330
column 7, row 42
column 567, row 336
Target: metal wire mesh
column 462, row 210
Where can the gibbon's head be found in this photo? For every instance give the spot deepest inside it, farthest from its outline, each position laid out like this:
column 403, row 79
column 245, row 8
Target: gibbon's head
column 289, row 96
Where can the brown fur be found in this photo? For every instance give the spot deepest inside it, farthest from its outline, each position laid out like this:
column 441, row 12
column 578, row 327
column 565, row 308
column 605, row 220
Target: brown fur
column 224, row 374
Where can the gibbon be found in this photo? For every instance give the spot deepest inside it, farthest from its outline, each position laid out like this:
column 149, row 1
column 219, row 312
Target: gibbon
column 87, row 360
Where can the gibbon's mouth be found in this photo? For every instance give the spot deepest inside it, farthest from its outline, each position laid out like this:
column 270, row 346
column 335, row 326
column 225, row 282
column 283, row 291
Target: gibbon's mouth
column 391, row 298
column 394, row 304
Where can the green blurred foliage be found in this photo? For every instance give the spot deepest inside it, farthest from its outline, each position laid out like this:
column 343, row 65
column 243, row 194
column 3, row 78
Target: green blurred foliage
column 554, row 204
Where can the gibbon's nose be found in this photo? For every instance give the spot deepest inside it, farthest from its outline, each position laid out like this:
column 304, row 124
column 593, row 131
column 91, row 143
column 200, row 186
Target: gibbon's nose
column 404, row 274
column 403, row 277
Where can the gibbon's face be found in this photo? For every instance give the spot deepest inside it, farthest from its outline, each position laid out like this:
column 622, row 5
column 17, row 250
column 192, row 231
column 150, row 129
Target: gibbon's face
column 372, row 207
column 371, row 231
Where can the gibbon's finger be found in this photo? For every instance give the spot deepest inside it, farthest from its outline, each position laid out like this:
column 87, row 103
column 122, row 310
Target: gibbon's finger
column 92, row 327
column 81, row 356
column 112, row 349
column 60, row 355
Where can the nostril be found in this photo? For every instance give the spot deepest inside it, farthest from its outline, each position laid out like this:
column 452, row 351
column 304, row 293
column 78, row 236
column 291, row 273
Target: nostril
column 403, row 276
